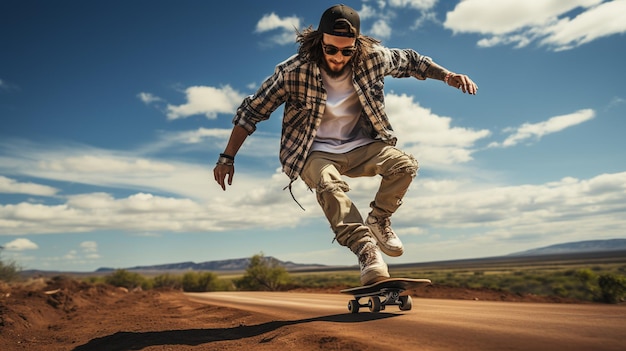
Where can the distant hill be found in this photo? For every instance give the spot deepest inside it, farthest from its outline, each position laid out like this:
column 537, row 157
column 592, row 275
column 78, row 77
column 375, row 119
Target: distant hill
column 575, row 247
column 238, row 264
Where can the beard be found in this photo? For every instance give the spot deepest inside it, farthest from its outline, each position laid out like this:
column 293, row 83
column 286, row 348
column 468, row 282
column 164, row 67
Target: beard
column 335, row 73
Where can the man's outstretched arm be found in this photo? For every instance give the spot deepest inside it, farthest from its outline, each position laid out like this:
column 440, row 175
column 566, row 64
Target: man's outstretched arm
column 225, row 165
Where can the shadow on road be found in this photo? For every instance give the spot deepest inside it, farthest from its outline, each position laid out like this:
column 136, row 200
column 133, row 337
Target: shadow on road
column 140, row 340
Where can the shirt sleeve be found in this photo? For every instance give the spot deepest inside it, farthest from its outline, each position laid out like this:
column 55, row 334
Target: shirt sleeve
column 258, row 107
column 402, row 63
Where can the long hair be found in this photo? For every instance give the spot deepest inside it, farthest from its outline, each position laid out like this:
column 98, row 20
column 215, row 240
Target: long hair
column 310, row 41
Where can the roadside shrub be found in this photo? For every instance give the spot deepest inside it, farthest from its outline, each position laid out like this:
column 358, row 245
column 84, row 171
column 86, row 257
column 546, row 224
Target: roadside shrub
column 263, row 274
column 200, row 282
column 126, row 279
column 612, row 288
column 167, row 281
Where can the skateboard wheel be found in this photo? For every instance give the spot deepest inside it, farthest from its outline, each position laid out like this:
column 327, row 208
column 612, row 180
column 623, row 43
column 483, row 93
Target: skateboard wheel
column 406, row 303
column 353, row 306
column 374, row 304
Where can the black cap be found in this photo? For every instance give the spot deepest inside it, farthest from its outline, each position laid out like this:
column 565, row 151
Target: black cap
column 339, row 19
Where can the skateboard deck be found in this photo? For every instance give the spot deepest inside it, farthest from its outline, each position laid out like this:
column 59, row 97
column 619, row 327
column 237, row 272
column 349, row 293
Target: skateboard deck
column 383, row 293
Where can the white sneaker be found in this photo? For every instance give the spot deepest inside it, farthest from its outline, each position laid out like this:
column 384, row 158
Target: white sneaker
column 373, row 267
column 388, row 241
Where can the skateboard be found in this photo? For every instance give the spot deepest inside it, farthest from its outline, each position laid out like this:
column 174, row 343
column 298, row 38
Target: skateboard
column 383, row 293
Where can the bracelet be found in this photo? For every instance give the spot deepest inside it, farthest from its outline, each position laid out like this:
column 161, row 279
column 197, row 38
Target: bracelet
column 226, row 160
column 447, row 77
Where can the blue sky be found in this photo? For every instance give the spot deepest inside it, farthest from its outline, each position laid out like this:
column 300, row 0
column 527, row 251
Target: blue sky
column 113, row 114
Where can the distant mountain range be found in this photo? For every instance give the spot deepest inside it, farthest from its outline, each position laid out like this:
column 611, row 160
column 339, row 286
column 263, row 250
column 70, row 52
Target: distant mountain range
column 576, row 247
column 238, row 264
column 241, row 264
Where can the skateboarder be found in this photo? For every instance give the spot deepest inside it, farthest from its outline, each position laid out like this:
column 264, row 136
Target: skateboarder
column 335, row 125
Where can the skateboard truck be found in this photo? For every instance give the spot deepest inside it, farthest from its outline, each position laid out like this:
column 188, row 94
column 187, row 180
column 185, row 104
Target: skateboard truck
column 376, row 304
column 384, row 293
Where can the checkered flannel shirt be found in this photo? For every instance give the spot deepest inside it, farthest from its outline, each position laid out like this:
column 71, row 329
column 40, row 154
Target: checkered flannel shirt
column 298, row 84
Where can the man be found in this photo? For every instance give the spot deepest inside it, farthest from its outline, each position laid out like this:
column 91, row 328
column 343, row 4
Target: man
column 334, row 125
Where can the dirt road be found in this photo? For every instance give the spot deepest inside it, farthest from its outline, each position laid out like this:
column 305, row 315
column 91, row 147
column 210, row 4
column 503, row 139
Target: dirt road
column 432, row 324
column 66, row 315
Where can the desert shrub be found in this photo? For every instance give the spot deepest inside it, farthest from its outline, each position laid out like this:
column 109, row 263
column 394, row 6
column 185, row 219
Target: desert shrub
column 167, row 281
column 9, row 270
column 263, row 274
column 126, row 279
column 588, row 280
column 200, row 282
column 612, row 288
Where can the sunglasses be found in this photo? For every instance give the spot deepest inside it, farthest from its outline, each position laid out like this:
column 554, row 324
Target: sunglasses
column 333, row 50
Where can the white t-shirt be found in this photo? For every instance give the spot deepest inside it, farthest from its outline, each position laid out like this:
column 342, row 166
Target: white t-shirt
column 340, row 131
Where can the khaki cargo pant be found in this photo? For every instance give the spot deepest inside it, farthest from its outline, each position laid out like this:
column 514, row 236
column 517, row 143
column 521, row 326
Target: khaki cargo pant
column 322, row 172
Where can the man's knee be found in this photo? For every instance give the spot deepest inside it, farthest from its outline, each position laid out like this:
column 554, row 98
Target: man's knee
column 321, row 174
column 332, row 186
column 403, row 163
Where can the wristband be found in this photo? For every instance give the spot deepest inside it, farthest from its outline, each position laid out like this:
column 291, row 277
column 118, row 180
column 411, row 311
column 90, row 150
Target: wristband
column 226, row 160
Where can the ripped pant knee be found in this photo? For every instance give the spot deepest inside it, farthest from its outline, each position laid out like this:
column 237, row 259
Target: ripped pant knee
column 407, row 165
column 332, row 186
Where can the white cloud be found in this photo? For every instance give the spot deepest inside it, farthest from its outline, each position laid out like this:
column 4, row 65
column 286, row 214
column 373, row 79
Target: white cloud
column 208, row 101
column 601, row 21
column 286, row 26
column 387, row 12
column 148, row 98
column 89, row 163
column 259, row 198
column 381, row 29
column 431, row 138
column 615, row 101
column 368, row 12
column 273, row 21
column 89, row 246
column 20, row 244
column 559, row 25
column 196, row 136
column 415, row 4
column 90, row 249
column 488, row 219
column 11, row 186
column 537, row 130
column 71, row 255
column 482, row 215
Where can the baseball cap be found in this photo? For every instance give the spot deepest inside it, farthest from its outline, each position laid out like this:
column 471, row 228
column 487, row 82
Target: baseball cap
column 339, row 18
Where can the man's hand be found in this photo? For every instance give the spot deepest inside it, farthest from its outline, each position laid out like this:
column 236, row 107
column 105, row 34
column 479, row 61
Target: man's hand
column 221, row 171
column 463, row 82
column 225, row 166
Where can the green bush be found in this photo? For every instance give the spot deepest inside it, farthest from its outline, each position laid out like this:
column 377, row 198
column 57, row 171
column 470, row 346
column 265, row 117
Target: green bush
column 9, row 270
column 126, row 279
column 263, row 274
column 612, row 288
column 167, row 281
column 200, row 282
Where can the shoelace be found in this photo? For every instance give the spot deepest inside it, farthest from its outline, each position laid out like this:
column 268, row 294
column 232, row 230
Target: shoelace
column 367, row 257
column 385, row 227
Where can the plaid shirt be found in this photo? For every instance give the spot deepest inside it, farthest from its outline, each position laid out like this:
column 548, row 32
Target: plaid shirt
column 298, row 84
